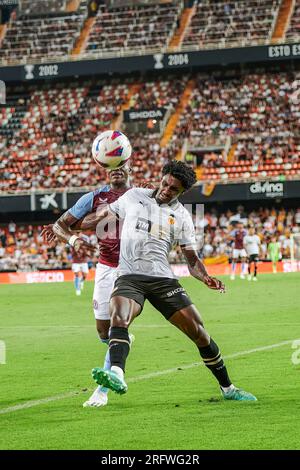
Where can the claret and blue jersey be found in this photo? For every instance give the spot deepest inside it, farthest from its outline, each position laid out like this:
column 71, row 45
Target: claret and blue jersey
column 110, row 245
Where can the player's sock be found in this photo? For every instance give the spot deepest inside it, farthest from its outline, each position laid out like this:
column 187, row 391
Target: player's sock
column 77, row 283
column 233, row 268
column 244, row 268
column 106, row 365
column 213, row 360
column 255, row 269
column 119, row 345
column 117, row 370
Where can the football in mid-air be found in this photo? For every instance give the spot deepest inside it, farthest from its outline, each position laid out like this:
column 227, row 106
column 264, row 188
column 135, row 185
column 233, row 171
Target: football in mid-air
column 111, row 149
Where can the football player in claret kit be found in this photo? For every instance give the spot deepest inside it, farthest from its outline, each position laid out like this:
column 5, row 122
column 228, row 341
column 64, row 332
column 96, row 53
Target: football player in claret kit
column 152, row 221
column 239, row 252
column 109, row 248
column 252, row 247
column 80, row 269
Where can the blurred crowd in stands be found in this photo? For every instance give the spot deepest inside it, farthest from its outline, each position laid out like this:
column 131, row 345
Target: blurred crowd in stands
column 47, row 132
column 223, row 22
column 22, row 248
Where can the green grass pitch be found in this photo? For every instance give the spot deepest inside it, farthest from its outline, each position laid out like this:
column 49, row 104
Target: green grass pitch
column 171, row 403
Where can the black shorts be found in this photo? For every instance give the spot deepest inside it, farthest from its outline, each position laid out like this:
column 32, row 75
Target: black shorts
column 165, row 294
column 253, row 258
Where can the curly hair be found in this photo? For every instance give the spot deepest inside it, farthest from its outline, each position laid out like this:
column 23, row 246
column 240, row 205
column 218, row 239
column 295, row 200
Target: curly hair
column 183, row 172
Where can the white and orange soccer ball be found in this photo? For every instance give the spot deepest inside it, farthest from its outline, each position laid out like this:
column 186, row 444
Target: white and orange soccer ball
column 111, row 149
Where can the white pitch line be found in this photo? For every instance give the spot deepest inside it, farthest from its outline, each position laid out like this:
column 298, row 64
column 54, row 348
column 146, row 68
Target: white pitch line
column 32, row 403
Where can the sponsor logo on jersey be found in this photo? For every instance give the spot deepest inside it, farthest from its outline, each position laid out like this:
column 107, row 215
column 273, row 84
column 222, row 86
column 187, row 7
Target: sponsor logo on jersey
column 143, row 225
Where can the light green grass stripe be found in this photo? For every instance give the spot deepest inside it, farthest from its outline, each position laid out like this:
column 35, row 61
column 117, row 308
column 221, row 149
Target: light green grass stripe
column 152, row 375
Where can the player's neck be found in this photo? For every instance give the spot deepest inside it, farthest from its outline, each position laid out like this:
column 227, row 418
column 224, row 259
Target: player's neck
column 118, row 187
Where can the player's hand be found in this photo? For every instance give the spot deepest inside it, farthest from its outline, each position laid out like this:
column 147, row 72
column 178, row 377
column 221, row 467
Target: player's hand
column 83, row 247
column 146, row 185
column 48, row 234
column 215, row 284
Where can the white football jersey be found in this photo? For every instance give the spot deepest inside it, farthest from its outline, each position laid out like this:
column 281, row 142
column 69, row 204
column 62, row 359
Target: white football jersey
column 251, row 243
column 149, row 231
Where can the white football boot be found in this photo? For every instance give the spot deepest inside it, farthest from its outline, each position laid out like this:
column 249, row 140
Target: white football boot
column 99, row 398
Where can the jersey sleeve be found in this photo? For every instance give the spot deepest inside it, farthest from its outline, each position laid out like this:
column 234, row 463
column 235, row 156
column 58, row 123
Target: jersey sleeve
column 187, row 236
column 83, row 206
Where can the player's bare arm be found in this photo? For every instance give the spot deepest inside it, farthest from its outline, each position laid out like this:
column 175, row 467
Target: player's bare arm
column 67, row 226
column 197, row 270
column 64, row 229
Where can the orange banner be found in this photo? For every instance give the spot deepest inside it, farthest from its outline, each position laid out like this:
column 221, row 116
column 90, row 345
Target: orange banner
column 40, row 276
column 180, row 270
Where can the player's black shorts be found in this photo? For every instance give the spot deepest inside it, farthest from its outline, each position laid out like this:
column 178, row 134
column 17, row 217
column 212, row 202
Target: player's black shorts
column 253, row 258
column 165, row 294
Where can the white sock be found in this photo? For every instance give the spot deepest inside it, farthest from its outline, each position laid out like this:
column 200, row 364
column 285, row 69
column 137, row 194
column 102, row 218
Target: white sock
column 118, row 371
column 228, row 389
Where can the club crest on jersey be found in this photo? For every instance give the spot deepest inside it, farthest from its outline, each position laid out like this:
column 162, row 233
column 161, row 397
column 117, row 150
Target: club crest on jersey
column 171, row 220
column 143, row 225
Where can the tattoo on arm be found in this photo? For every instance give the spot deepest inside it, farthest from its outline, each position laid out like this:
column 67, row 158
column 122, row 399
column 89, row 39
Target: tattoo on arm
column 62, row 227
column 195, row 265
column 67, row 225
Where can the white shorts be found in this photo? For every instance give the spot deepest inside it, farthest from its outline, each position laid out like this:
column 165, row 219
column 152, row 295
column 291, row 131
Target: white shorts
column 239, row 253
column 80, row 268
column 104, row 282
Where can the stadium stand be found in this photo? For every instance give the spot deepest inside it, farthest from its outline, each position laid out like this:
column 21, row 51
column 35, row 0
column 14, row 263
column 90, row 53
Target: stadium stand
column 35, row 36
column 221, row 23
column 256, row 113
column 133, row 28
column 40, row 36
column 46, row 135
column 293, row 31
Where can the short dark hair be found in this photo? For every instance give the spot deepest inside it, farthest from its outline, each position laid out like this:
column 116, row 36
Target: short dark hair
column 183, row 172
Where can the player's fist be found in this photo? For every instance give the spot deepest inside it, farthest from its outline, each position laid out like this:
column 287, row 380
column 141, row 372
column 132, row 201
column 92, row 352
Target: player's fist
column 215, row 284
column 83, row 247
column 48, row 234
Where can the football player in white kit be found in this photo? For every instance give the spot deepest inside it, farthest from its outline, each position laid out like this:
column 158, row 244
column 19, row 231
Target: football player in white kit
column 252, row 247
column 152, row 222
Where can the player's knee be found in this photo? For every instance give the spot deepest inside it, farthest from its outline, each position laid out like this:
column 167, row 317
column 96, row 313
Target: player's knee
column 118, row 320
column 202, row 338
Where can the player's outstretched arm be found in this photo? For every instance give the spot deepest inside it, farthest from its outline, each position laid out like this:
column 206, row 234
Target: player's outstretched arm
column 197, row 270
column 64, row 228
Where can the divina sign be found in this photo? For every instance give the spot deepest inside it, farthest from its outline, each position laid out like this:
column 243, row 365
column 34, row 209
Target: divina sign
column 267, row 188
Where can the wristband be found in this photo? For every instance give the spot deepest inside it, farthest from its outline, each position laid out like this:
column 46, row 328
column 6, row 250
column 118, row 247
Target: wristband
column 73, row 239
